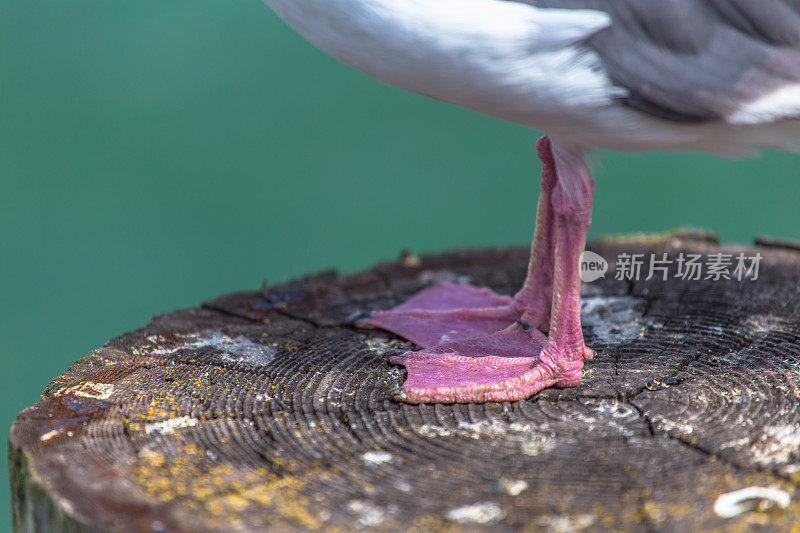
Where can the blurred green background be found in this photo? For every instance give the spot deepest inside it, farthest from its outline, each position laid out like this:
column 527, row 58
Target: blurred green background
column 156, row 154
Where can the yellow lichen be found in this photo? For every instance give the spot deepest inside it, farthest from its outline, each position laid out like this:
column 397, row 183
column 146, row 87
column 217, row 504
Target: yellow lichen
column 219, row 488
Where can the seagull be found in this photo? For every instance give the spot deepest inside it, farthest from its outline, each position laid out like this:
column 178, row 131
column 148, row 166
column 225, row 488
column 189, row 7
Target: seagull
column 719, row 76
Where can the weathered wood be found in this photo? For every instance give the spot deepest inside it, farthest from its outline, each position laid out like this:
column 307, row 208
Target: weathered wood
column 269, row 410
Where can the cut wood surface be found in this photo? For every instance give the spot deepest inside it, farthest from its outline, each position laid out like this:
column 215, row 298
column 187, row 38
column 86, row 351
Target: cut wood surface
column 269, row 410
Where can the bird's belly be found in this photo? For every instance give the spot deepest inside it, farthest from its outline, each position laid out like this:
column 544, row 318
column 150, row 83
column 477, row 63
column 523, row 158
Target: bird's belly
column 479, row 54
column 486, row 55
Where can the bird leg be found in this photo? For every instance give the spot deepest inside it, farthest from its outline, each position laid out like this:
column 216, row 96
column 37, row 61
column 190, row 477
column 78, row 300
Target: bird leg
column 480, row 346
column 534, row 299
column 448, row 312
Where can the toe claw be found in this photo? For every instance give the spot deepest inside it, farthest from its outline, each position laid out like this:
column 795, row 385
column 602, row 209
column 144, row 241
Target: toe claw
column 588, row 353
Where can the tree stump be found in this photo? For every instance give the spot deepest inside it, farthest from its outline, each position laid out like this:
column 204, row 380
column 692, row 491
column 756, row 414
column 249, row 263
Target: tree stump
column 269, row 410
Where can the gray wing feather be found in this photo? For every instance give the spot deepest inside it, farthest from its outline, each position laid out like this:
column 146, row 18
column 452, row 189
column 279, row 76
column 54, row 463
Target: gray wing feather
column 695, row 60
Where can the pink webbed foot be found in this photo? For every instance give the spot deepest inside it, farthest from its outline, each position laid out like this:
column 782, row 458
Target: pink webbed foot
column 472, row 354
column 445, row 312
column 479, row 346
column 456, row 372
column 474, row 350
